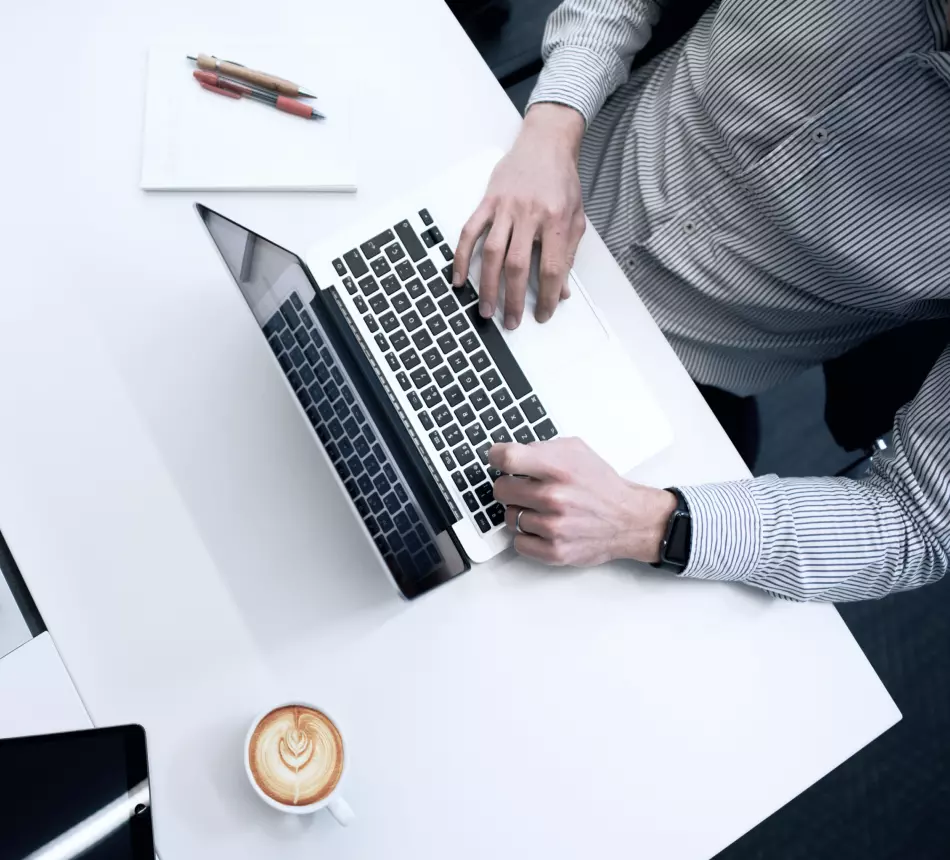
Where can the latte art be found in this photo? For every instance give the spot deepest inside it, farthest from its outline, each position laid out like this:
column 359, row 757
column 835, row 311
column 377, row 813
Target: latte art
column 296, row 755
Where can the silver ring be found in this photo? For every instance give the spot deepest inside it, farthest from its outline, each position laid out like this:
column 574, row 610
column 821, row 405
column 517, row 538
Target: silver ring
column 518, row 528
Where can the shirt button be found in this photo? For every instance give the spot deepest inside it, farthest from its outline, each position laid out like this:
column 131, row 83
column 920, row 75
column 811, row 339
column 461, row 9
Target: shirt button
column 820, row 135
column 689, row 227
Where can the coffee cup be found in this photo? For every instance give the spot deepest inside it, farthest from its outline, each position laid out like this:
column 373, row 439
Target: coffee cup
column 295, row 759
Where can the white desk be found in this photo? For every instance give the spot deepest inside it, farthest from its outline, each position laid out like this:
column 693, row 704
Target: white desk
column 169, row 512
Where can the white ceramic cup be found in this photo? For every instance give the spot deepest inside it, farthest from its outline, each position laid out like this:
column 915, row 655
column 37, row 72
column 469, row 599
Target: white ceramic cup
column 334, row 801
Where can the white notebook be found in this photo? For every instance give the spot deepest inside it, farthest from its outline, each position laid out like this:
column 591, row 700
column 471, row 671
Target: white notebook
column 199, row 140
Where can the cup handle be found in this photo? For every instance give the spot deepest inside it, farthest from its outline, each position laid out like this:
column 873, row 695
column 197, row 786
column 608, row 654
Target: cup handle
column 341, row 811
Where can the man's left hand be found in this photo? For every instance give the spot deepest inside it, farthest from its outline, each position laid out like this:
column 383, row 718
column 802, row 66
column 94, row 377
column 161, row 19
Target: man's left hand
column 577, row 510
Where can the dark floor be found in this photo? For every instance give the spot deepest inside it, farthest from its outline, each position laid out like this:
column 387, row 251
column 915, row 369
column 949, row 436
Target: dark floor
column 892, row 800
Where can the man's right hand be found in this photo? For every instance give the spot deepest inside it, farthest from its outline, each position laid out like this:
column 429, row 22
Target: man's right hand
column 534, row 194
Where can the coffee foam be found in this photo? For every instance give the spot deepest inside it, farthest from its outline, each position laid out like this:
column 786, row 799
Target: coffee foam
column 296, row 755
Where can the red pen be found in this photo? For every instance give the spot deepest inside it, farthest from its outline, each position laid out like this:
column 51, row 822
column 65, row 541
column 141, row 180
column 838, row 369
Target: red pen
column 235, row 90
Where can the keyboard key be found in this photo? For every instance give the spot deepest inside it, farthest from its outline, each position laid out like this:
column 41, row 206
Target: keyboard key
column 437, row 287
column 466, row 295
column 385, row 521
column 545, row 430
column 490, row 419
column 432, row 358
column 500, row 435
column 443, row 376
column 479, row 400
column 395, row 252
column 375, row 245
column 458, row 362
column 372, row 465
column 411, row 321
column 501, row 397
column 365, row 505
column 351, row 427
column 475, row 434
column 453, row 436
column 378, row 303
column 348, row 394
column 350, row 285
column 368, row 285
column 326, row 357
column 513, row 417
column 464, row 414
column 504, row 360
column 431, row 237
column 459, row 481
column 392, row 503
column 342, row 410
column 437, row 440
column 454, row 395
column 447, row 272
column 287, row 339
column 410, row 240
column 441, row 415
column 409, row 358
column 480, row 361
column 414, row 401
column 296, row 356
column 482, row 451
column 401, row 495
column 274, row 325
column 425, row 216
column 436, row 324
column 306, row 375
column 290, row 313
column 399, row 340
column 533, row 410
column 401, row 303
column 403, row 381
column 388, row 322
column 276, row 345
column 420, row 377
column 425, row 420
column 325, row 408
column 304, row 397
column 358, row 414
column 427, row 269
column 303, row 339
column 447, row 343
column 389, row 284
column 432, row 396
column 361, row 445
column 381, row 343
column 405, row 270
column 459, row 323
column 372, row 526
column 340, row 268
column 356, row 263
column 415, row 288
column 359, row 304
column 426, row 306
column 392, row 361
column 482, row 522
column 307, row 320
column 469, row 341
column 380, row 266
column 447, row 460
column 381, row 483
column 337, row 376
column 294, row 379
column 471, row 501
column 422, row 339
column 491, row 380
column 464, row 454
column 474, row 474
column 496, row 513
column 371, row 323
column 524, row 435
column 446, row 252
column 448, row 305
column 485, row 493
column 468, row 379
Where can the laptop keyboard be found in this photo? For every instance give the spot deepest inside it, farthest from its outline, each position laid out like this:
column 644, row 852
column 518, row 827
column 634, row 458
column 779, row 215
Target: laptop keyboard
column 362, row 460
column 455, row 368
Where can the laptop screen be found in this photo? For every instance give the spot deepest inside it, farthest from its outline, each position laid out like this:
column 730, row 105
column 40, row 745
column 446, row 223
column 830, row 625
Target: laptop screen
column 341, row 397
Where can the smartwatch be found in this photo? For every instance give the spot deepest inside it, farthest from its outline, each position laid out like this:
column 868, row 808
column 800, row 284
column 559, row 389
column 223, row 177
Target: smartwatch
column 674, row 549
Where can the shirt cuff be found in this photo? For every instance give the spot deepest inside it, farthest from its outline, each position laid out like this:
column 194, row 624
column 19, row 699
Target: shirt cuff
column 577, row 77
column 726, row 525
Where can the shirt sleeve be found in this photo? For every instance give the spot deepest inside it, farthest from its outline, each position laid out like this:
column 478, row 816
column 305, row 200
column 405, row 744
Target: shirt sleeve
column 834, row 538
column 588, row 47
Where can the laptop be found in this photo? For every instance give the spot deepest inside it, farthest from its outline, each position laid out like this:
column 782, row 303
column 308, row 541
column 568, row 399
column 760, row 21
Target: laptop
column 406, row 387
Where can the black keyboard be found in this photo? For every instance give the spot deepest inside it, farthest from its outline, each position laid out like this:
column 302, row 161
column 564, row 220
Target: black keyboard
column 361, row 458
column 454, row 367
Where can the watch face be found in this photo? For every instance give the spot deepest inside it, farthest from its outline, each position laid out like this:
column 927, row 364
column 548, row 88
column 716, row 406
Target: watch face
column 678, row 540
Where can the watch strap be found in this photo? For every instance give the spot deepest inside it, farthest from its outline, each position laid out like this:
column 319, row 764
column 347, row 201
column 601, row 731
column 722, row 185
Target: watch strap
column 675, row 546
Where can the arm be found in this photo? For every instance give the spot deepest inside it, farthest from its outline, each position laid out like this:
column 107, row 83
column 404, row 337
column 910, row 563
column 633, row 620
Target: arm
column 588, row 48
column 834, row 538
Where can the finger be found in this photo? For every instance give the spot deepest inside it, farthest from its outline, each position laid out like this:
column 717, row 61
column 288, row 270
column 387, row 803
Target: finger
column 471, row 233
column 517, row 266
column 520, row 492
column 493, row 258
column 577, row 233
column 531, row 523
column 555, row 250
column 537, row 460
column 532, row 546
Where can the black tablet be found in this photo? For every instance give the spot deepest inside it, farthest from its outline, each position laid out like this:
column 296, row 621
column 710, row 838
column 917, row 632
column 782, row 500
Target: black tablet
column 81, row 795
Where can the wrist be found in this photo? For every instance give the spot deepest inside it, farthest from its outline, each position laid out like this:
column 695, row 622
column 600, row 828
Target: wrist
column 646, row 515
column 556, row 125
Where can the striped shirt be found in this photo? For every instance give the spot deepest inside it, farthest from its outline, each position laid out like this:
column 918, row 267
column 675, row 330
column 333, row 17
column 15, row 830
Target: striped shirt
column 777, row 188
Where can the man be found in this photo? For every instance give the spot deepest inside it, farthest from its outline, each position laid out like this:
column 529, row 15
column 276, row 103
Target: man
column 777, row 188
